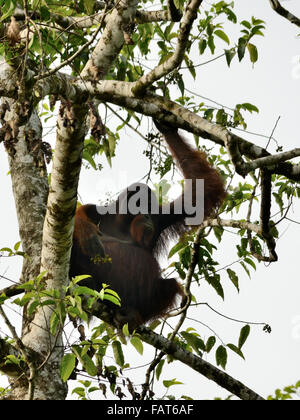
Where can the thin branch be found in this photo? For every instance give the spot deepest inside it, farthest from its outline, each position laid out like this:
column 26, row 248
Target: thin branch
column 14, row 290
column 228, row 317
column 273, row 131
column 265, row 214
column 283, row 12
column 270, row 161
column 143, row 16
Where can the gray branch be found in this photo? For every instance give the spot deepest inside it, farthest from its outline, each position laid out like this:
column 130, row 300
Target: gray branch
column 199, row 365
column 284, row 13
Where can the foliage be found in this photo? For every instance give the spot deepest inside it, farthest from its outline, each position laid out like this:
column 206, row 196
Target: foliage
column 287, row 393
column 218, row 34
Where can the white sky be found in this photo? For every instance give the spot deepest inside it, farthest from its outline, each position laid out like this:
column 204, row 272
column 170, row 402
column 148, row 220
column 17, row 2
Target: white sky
column 273, row 293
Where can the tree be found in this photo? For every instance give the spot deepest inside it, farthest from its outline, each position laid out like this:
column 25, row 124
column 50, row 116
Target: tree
column 93, row 58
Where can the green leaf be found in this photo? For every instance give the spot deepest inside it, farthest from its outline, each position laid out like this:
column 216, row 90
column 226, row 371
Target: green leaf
column 176, row 248
column 125, row 330
column 171, row 382
column 256, row 30
column 67, row 366
column 246, row 269
column 112, row 299
column 79, row 391
column 221, row 356
column 54, row 322
column 77, row 279
column 89, row 158
column 83, row 290
column 32, row 307
column 246, row 24
column 234, row 278
column 8, row 9
column 45, row 13
column 211, row 44
column 221, row 117
column 257, row 21
column 214, row 281
column 230, row 54
column 222, row 35
column 202, row 45
column 190, row 66
column 118, row 353
column 250, row 262
column 253, row 53
column 35, row 4
column 137, row 344
column 154, row 324
column 17, row 246
column 23, row 300
column 12, row 359
column 249, row 107
column 85, row 360
column 194, row 341
column 89, row 6
column 236, row 350
column 3, row 298
column 245, row 331
column 230, row 15
column 210, row 343
column 158, row 369
column 89, row 365
column 242, row 48
column 110, row 291
column 9, row 250
column 218, row 231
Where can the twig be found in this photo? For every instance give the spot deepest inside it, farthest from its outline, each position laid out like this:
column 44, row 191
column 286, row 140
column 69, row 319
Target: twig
column 227, row 317
column 273, row 131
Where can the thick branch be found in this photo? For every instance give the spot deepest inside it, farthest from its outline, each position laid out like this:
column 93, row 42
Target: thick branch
column 65, row 22
column 236, row 224
column 283, row 12
column 165, row 110
column 143, row 16
column 83, row 22
column 189, row 359
column 174, row 114
column 111, row 41
column 175, row 60
column 199, row 365
column 271, row 161
column 58, row 225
